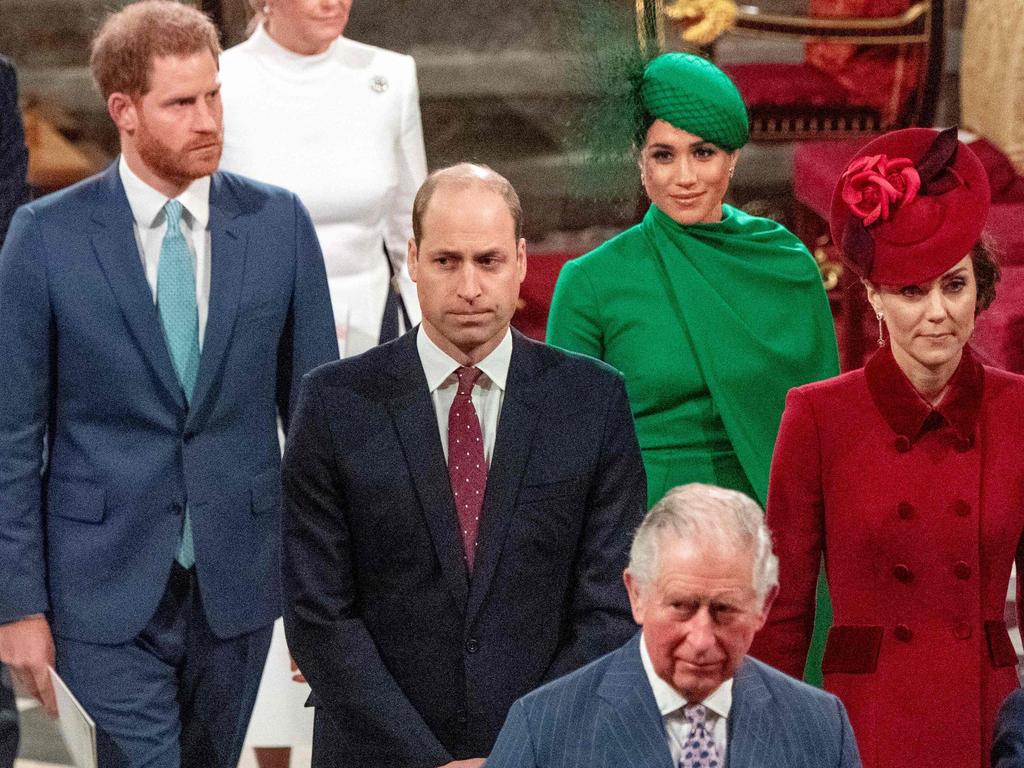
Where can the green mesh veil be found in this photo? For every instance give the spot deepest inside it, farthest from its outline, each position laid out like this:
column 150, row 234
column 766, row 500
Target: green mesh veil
column 606, row 67
column 626, row 87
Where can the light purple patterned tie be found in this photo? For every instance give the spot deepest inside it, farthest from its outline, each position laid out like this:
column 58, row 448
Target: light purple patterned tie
column 700, row 750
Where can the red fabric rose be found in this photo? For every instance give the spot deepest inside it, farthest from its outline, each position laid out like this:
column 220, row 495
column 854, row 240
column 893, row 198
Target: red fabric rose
column 873, row 186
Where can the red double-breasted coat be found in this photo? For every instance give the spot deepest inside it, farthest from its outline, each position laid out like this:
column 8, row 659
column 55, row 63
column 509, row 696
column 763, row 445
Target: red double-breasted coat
column 919, row 512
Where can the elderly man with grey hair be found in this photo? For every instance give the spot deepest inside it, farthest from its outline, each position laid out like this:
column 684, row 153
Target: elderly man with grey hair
column 683, row 693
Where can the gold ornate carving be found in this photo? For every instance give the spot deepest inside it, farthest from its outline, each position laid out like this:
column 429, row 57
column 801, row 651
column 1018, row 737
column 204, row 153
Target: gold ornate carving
column 702, row 21
column 831, row 271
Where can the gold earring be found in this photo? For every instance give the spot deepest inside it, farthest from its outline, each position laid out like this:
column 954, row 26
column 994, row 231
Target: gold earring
column 881, row 337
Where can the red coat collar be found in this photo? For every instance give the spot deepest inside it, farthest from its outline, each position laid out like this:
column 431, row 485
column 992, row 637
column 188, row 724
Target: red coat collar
column 906, row 411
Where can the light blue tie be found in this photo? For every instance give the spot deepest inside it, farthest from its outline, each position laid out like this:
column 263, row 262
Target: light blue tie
column 179, row 316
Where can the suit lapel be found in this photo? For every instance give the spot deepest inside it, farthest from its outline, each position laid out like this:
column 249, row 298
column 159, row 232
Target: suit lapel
column 228, row 239
column 628, row 715
column 118, row 253
column 416, row 422
column 750, row 720
column 516, row 424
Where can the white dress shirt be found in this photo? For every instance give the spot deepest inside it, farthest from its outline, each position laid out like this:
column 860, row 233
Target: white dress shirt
column 488, row 393
column 147, row 206
column 670, row 704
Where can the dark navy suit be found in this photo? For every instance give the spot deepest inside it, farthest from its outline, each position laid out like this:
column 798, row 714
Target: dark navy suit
column 13, row 192
column 13, row 154
column 605, row 716
column 412, row 661
column 83, row 363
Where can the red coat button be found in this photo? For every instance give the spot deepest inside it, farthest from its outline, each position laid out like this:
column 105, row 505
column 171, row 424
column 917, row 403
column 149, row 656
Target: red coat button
column 964, row 443
column 902, row 633
column 902, row 443
column 961, row 508
column 962, row 570
column 902, row 573
column 962, row 630
column 905, row 510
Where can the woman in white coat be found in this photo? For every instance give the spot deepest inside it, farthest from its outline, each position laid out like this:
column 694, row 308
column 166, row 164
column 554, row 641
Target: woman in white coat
column 338, row 123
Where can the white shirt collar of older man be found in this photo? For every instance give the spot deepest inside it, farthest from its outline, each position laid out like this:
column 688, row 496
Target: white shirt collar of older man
column 670, row 705
column 147, row 204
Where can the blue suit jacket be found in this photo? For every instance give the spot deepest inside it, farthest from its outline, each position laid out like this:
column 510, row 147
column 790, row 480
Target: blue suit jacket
column 1008, row 749
column 412, row 661
column 605, row 715
column 90, row 539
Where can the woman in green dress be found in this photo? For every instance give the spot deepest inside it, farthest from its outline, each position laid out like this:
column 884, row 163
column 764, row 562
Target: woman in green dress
column 711, row 314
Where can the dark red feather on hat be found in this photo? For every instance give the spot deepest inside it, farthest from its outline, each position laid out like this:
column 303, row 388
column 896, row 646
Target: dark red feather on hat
column 858, row 246
column 937, row 159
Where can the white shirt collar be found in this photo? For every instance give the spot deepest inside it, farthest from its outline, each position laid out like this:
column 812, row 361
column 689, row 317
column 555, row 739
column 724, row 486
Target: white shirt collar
column 147, row 204
column 669, row 700
column 438, row 365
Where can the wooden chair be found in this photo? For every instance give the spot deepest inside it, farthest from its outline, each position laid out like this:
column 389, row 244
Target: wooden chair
column 53, row 161
column 801, row 101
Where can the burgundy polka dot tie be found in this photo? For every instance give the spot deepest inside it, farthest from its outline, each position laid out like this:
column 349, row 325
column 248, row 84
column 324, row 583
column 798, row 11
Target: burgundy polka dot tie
column 466, row 466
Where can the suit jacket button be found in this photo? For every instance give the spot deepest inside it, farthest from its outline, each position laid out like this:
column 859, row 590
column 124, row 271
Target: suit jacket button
column 961, row 508
column 472, row 645
column 962, row 570
column 905, row 510
column 902, row 443
column 462, row 717
column 902, row 633
column 963, row 630
column 902, row 573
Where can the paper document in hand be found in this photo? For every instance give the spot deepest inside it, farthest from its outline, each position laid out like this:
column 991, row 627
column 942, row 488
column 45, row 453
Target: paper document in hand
column 77, row 728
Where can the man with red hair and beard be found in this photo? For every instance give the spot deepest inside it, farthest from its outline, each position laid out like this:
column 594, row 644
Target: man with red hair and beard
column 157, row 319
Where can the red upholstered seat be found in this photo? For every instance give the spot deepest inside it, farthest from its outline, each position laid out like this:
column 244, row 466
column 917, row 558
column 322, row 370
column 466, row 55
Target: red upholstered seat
column 531, row 317
column 787, row 85
column 999, row 333
column 816, row 167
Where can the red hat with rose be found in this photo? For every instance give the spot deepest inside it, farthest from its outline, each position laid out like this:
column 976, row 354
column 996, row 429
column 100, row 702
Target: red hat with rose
column 909, row 206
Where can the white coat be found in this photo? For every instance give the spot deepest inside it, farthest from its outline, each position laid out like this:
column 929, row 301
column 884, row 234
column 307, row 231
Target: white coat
column 342, row 130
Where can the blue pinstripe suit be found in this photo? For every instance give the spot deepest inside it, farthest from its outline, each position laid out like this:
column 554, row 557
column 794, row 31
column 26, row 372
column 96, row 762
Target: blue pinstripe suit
column 604, row 714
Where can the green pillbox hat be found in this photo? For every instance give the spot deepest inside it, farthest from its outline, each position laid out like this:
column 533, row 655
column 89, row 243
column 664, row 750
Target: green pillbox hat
column 694, row 95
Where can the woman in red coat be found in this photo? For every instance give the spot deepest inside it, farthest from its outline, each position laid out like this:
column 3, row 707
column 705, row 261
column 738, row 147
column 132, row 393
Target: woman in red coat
column 907, row 474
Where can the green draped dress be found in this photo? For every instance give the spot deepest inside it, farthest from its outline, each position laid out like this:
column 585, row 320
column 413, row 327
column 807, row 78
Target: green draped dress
column 711, row 325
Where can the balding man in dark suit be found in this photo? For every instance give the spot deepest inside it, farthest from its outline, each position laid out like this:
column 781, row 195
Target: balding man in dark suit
column 458, row 506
